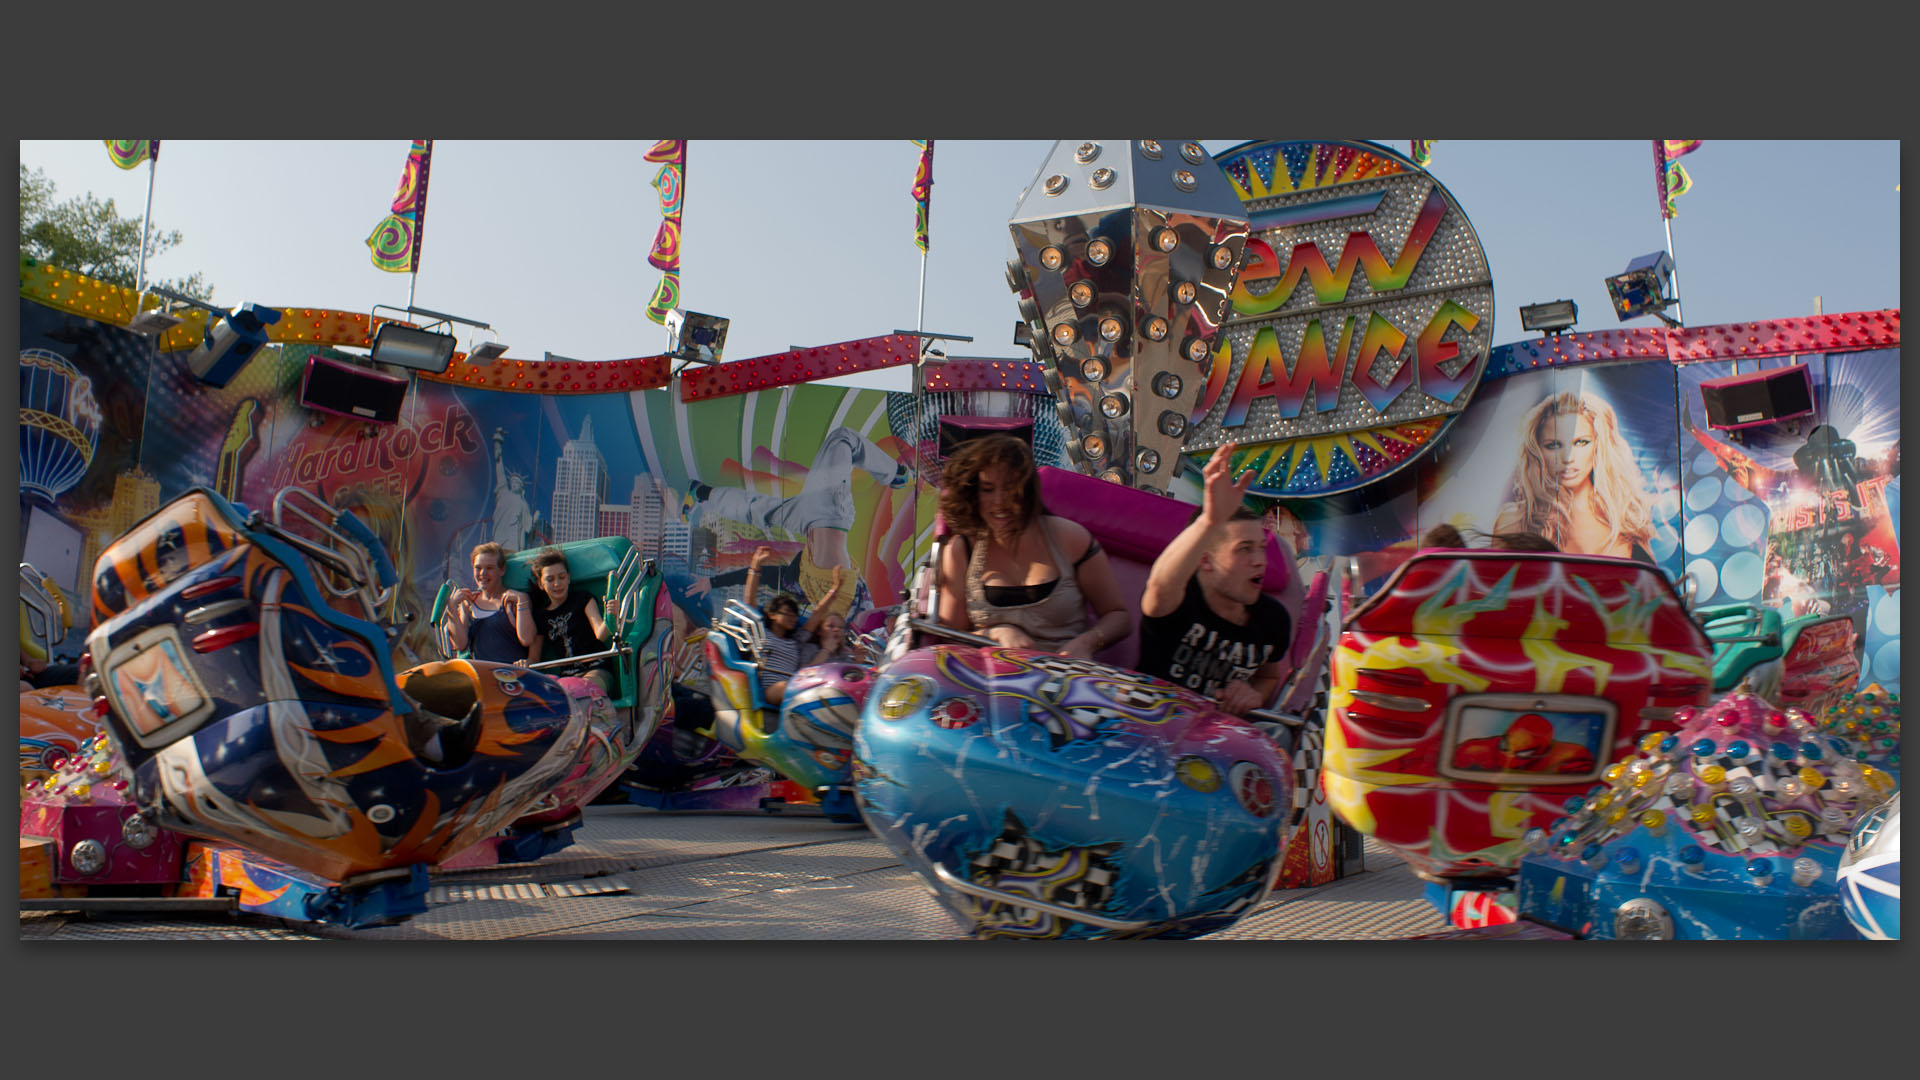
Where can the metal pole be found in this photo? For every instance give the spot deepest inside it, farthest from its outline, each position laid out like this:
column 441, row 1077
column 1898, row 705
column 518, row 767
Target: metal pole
column 913, row 437
column 413, row 279
column 1678, row 315
column 140, row 278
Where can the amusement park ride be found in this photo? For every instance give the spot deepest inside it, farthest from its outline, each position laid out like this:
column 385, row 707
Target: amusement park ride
column 1560, row 744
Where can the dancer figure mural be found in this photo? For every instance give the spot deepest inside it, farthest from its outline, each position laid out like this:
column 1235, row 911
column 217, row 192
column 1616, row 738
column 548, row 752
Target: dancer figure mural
column 822, row 512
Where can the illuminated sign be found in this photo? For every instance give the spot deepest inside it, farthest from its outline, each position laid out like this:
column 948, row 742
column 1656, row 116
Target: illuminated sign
column 1360, row 322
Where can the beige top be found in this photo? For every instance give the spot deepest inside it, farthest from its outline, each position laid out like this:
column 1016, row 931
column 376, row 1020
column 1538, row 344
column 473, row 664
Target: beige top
column 1051, row 622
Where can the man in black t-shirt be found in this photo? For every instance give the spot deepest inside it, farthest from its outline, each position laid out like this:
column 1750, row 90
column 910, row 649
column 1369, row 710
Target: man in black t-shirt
column 1205, row 625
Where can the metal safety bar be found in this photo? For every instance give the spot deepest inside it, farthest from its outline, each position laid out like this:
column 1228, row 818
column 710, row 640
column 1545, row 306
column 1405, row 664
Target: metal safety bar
column 959, row 884
column 347, row 556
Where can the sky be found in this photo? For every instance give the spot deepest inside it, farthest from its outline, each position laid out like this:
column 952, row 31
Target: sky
column 810, row 242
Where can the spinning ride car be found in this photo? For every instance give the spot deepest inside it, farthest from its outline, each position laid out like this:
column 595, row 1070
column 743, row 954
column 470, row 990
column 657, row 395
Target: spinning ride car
column 54, row 720
column 1479, row 689
column 1041, row 796
column 242, row 671
column 808, row 737
column 620, row 723
column 1729, row 824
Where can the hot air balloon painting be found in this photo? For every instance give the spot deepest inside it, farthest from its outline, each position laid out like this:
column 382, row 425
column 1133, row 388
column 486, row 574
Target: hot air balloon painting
column 59, row 424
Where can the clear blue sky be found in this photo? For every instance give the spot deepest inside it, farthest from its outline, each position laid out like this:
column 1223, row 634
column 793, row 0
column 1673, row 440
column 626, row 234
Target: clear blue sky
column 809, row 242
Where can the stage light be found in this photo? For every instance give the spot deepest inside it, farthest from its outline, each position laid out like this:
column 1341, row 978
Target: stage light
column 413, row 348
column 1642, row 288
column 696, row 338
column 154, row 323
column 230, row 342
column 486, row 353
column 1550, row 317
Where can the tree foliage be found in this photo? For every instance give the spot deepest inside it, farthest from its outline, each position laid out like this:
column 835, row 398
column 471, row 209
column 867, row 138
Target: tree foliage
column 88, row 236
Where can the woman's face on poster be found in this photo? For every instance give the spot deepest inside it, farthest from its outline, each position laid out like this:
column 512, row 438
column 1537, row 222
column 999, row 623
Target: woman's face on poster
column 1568, row 441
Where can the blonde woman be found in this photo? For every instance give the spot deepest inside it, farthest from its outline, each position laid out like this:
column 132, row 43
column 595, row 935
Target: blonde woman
column 1576, row 483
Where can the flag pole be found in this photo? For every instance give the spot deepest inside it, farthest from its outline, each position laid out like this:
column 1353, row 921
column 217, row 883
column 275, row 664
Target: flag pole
column 140, row 278
column 919, row 388
column 1679, row 315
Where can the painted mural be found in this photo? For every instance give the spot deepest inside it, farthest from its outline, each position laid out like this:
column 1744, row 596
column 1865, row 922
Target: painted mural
column 1580, row 456
column 1610, row 459
column 1803, row 516
column 113, row 429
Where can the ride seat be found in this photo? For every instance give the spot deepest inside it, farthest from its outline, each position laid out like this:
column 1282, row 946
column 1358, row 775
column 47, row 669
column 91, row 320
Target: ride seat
column 590, row 563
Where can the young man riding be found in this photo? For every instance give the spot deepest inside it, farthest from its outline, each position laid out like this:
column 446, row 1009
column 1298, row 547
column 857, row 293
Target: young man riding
column 1205, row 625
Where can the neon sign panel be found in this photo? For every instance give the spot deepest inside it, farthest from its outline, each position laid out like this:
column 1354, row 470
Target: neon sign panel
column 1360, row 322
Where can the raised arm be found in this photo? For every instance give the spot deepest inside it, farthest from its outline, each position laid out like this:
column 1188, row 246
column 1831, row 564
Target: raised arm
column 1167, row 581
column 761, row 555
column 826, row 601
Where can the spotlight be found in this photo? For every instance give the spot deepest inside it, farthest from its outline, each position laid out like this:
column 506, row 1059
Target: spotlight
column 486, row 353
column 694, row 337
column 154, row 323
column 1022, row 334
column 410, row 347
column 1550, row 317
column 1642, row 288
column 230, row 343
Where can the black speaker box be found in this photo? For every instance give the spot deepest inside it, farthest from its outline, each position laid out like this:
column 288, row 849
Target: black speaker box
column 1764, row 397
column 351, row 390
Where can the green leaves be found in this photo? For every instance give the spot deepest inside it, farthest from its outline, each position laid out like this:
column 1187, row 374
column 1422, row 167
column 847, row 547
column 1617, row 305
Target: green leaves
column 88, row 236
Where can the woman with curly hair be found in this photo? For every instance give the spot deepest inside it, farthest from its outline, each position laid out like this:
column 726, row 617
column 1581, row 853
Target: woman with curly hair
column 1576, row 484
column 1027, row 576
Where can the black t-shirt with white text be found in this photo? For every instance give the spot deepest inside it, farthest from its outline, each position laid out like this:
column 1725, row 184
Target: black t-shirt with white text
column 1193, row 647
column 566, row 628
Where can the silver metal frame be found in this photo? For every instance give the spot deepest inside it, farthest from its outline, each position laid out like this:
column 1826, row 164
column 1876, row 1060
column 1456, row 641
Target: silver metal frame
column 346, row 556
column 958, row 884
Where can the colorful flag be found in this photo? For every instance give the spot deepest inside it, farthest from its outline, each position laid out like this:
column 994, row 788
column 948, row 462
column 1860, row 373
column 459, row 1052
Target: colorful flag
column 397, row 239
column 1422, row 151
column 128, row 153
column 1672, row 180
column 922, row 193
column 671, row 185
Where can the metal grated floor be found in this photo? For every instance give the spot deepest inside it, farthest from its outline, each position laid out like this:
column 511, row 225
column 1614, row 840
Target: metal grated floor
column 637, row 874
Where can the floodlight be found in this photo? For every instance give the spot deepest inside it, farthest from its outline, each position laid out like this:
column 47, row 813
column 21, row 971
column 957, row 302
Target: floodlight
column 1550, row 317
column 694, row 337
column 486, row 353
column 410, row 347
column 1642, row 288
column 230, row 342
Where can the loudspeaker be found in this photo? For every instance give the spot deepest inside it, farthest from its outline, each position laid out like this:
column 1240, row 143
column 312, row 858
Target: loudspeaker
column 956, row 431
column 351, row 390
column 1764, row 397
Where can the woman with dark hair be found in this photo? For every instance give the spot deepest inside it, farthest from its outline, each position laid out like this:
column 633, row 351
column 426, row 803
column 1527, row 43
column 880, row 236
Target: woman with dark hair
column 788, row 646
column 1027, row 576
column 570, row 620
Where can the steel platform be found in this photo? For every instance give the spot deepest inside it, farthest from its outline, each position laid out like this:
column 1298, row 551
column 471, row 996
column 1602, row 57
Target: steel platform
column 640, row 874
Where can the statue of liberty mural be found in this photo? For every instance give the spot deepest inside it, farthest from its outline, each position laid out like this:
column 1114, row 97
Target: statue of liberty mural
column 513, row 517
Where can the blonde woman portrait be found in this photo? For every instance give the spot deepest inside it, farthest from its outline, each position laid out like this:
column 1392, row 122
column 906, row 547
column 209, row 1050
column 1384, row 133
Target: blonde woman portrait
column 1576, row 483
